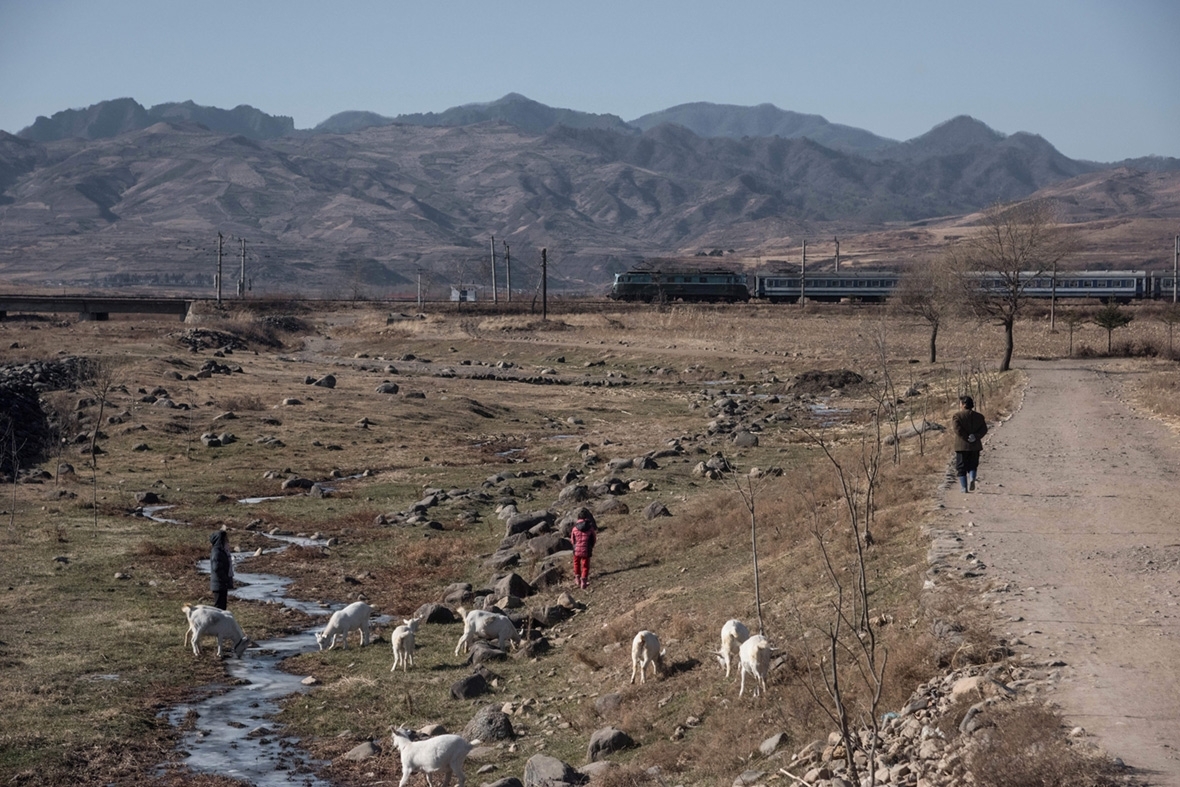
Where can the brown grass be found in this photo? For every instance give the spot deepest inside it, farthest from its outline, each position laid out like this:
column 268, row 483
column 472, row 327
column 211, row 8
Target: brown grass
column 680, row 576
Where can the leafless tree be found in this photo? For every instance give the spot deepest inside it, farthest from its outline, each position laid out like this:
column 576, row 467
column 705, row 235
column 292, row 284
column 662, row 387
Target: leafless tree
column 102, row 376
column 1072, row 319
column 1015, row 243
column 927, row 291
column 747, row 489
column 1169, row 315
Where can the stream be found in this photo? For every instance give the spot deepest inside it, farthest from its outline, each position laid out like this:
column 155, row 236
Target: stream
column 231, row 735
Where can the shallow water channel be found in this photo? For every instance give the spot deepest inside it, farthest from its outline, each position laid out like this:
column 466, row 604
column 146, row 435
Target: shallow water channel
column 229, row 732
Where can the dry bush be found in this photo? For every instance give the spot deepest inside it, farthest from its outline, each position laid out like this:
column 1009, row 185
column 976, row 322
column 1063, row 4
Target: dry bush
column 1028, row 747
column 243, row 403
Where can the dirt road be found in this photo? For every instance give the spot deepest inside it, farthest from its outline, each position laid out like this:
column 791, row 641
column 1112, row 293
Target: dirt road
column 1078, row 512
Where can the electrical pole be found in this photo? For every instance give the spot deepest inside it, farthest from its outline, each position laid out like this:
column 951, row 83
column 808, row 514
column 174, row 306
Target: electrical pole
column 837, row 254
column 508, row 271
column 544, row 285
column 419, row 290
column 1175, row 266
column 495, row 295
column 1053, row 300
column 242, row 275
column 803, row 277
column 218, row 276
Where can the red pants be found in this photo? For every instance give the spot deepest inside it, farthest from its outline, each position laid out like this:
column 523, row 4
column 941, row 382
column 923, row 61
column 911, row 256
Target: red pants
column 581, row 567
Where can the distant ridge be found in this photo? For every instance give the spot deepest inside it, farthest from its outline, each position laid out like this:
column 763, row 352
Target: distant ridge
column 111, row 118
column 514, row 109
column 765, row 120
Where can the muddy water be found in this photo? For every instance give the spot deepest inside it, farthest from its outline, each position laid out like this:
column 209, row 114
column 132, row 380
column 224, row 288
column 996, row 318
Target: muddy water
column 229, row 732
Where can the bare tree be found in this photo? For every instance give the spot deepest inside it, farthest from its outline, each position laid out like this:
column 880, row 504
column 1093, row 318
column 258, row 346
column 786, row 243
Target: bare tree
column 1073, row 318
column 926, row 291
column 102, row 376
column 1015, row 243
column 749, row 494
column 851, row 649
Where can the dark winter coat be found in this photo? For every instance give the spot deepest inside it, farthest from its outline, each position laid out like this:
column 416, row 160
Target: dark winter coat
column 966, row 423
column 221, row 565
column 583, row 535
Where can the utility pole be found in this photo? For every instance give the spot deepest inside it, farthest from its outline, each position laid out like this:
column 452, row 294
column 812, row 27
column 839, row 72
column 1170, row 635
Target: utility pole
column 803, row 277
column 1053, row 300
column 217, row 278
column 837, row 254
column 495, row 295
column 242, row 275
column 508, row 271
column 544, row 284
column 419, row 290
column 1175, row 267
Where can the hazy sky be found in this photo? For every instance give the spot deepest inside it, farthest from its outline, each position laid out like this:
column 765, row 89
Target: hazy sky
column 1099, row 80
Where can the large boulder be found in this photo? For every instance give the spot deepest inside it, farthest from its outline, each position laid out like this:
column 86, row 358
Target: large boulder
column 489, row 724
column 511, row 584
column 606, row 741
column 435, row 613
column 470, row 687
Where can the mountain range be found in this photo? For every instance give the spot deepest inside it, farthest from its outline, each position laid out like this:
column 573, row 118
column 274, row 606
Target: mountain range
column 121, row 195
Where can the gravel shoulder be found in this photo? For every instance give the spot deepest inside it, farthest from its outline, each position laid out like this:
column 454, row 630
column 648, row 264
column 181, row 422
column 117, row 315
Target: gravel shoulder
column 1077, row 526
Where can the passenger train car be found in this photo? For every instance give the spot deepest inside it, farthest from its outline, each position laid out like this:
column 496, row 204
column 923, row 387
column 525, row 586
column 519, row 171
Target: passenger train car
column 680, row 285
column 1121, row 286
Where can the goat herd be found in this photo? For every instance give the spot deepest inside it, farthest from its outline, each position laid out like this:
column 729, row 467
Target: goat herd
column 446, row 752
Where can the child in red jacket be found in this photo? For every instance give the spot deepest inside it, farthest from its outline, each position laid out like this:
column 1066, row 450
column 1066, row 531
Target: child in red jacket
column 583, row 535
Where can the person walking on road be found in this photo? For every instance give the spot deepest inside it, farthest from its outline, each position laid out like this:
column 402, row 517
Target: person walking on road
column 969, row 428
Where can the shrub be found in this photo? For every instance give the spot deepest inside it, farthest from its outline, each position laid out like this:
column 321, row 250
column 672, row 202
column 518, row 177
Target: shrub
column 1028, row 747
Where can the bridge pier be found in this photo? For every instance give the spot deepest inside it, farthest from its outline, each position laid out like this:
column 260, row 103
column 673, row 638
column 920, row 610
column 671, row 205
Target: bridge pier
column 94, row 316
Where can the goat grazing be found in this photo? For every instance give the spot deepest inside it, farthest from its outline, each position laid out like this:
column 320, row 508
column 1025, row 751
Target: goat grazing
column 645, row 649
column 402, row 640
column 203, row 619
column 480, row 624
column 440, row 753
column 755, row 661
column 354, row 616
column 733, row 634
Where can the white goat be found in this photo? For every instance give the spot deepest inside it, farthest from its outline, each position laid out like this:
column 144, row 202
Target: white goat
column 733, row 634
column 354, row 616
column 440, row 753
column 203, row 619
column 645, row 649
column 755, row 660
column 480, row 624
column 402, row 640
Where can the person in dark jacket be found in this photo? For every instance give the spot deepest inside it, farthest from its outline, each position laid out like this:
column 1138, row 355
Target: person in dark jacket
column 969, row 428
column 221, row 568
column 583, row 535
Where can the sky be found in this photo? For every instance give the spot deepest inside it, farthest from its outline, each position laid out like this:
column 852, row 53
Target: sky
column 1099, row 80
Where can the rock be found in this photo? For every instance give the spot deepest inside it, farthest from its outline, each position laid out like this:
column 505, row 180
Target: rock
column 511, row 585
column 748, row 777
column 523, row 522
column 597, row 770
column 541, row 770
column 654, row 509
column 481, row 651
column 147, row 498
column 387, row 388
column 551, row 577
column 490, row 723
column 510, row 781
column 744, row 439
column 772, row 744
column 296, row 482
column 608, row 704
column 470, row 687
column 435, row 613
column 607, row 740
column 363, row 751
column 327, row 381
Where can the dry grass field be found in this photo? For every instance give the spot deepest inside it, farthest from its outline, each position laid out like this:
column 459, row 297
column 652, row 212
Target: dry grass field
column 90, row 641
